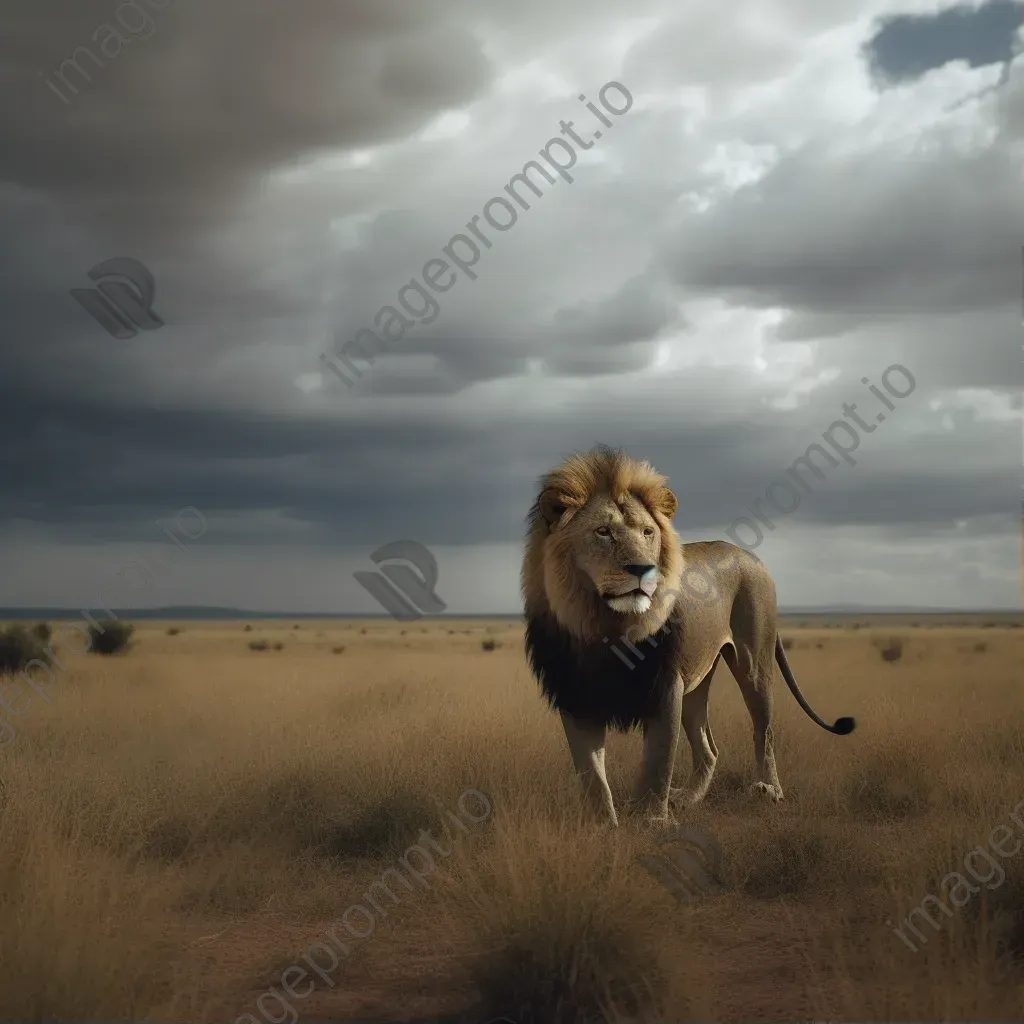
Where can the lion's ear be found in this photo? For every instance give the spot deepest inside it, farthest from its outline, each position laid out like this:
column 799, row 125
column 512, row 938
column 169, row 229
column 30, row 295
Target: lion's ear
column 665, row 502
column 553, row 504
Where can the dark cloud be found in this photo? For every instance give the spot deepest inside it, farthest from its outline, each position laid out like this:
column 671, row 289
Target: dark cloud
column 897, row 243
column 906, row 46
column 181, row 124
column 283, row 168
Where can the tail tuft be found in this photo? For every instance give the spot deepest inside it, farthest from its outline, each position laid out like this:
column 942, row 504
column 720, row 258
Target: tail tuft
column 844, row 726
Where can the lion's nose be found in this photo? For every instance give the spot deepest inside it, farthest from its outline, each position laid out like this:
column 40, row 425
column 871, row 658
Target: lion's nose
column 638, row 570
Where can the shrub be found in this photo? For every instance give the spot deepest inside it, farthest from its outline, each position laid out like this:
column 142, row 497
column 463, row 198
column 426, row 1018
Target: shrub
column 258, row 645
column 110, row 637
column 173, row 631
column 18, row 646
column 338, row 650
column 279, row 646
column 248, row 628
column 787, row 643
column 488, row 644
column 42, row 632
column 893, row 651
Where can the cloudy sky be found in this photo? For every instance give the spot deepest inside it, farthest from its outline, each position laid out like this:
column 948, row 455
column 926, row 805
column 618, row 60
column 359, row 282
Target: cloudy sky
column 801, row 195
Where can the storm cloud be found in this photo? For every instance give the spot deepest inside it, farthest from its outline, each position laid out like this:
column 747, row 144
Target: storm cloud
column 798, row 198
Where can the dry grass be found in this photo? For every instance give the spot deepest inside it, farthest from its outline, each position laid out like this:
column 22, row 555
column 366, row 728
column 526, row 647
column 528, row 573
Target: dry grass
column 181, row 823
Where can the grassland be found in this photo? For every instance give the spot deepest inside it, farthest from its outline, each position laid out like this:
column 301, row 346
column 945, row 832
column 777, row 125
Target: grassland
column 180, row 823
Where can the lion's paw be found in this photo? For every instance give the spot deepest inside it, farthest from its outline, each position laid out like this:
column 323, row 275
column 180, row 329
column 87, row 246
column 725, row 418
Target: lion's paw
column 765, row 789
column 655, row 822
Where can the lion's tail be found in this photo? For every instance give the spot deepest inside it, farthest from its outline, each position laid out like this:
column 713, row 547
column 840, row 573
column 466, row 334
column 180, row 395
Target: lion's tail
column 841, row 727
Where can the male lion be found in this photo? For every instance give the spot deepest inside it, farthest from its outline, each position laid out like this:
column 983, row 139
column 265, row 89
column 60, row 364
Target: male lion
column 603, row 566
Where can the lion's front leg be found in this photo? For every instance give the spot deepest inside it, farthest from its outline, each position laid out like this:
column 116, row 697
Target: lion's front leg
column 661, row 738
column 586, row 744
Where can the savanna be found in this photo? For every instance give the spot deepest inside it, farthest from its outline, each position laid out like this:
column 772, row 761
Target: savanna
column 184, row 819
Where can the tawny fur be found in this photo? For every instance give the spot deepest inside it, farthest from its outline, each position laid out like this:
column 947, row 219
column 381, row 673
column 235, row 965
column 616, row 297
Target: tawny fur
column 597, row 516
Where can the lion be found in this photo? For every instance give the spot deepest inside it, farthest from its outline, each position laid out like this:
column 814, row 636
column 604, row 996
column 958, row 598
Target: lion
column 603, row 572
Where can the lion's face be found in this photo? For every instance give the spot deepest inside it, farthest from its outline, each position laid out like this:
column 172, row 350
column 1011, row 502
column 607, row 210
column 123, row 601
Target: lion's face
column 617, row 547
column 602, row 555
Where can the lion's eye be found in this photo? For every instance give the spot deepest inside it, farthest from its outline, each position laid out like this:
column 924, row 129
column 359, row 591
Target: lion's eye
column 648, row 532
column 603, row 531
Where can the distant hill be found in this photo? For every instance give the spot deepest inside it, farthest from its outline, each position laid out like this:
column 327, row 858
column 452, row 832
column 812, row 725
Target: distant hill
column 198, row 612
column 178, row 612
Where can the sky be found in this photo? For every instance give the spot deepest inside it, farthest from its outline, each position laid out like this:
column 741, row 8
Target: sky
column 789, row 200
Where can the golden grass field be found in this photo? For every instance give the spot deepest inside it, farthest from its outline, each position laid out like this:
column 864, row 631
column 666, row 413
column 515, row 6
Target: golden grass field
column 182, row 821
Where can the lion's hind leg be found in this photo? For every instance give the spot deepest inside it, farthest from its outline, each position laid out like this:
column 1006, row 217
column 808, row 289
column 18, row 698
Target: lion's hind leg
column 754, row 671
column 697, row 726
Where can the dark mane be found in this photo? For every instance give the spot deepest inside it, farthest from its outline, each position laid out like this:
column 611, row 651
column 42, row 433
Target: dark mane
column 592, row 682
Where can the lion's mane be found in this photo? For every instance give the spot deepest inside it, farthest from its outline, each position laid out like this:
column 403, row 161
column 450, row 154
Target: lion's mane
column 574, row 644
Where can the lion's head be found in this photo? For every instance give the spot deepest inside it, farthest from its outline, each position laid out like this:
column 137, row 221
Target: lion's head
column 601, row 554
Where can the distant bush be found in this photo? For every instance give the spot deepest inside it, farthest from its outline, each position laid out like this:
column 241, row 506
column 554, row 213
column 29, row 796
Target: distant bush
column 893, row 651
column 279, row 646
column 488, row 644
column 110, row 637
column 248, row 629
column 42, row 632
column 787, row 643
column 980, row 647
column 338, row 650
column 258, row 645
column 173, row 631
column 18, row 646
column 296, row 626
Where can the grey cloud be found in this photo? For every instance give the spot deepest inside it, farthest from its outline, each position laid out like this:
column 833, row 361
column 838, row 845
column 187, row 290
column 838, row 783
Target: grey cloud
column 945, row 242
column 406, row 473
column 196, row 152
column 906, row 46
column 220, row 95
